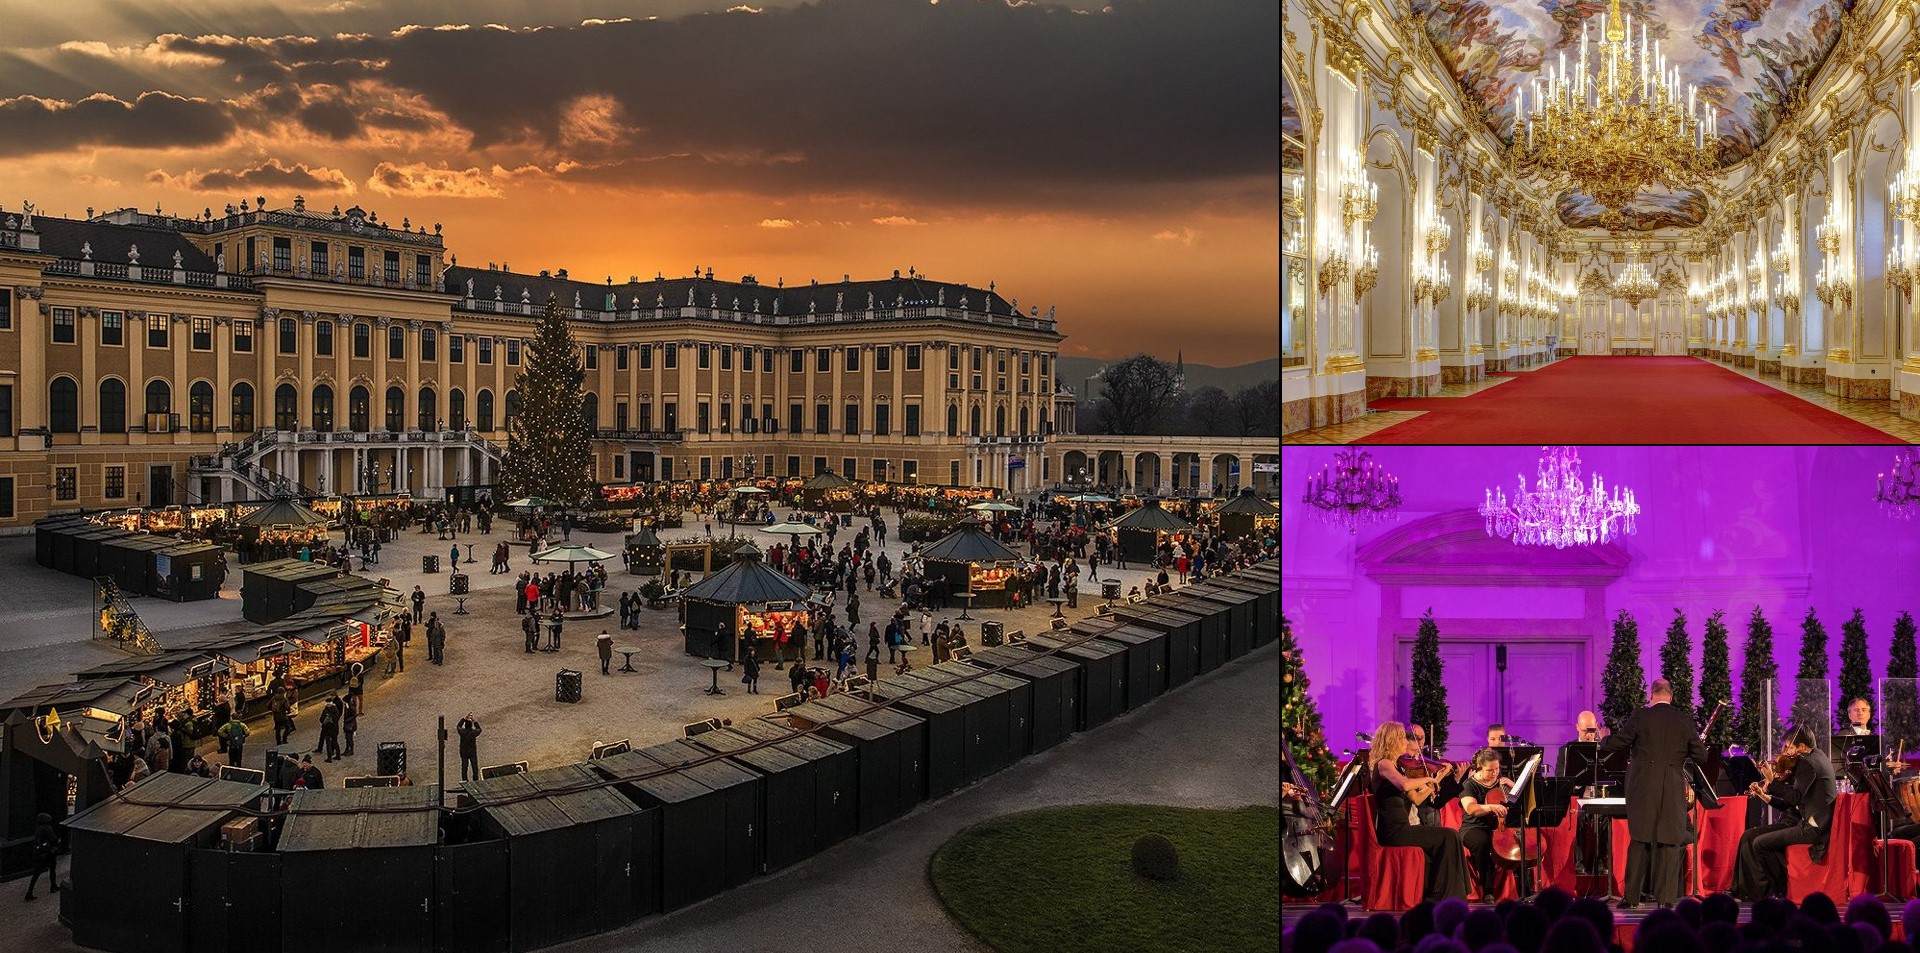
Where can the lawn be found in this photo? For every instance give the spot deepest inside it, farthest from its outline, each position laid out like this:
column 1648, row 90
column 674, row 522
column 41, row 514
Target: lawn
column 1060, row 880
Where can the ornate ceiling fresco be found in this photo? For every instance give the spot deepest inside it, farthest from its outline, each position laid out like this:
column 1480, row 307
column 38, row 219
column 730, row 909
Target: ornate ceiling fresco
column 1749, row 58
column 1657, row 208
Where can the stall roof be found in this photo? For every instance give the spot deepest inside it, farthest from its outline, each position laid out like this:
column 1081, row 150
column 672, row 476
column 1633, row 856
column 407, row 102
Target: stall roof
column 772, row 759
column 746, row 580
column 291, row 570
column 283, row 512
column 667, row 784
column 111, row 694
column 166, row 808
column 347, row 818
column 800, row 744
column 188, row 547
column 170, row 668
column 1149, row 516
column 549, row 799
column 141, row 542
column 826, row 480
column 968, row 544
column 644, row 536
column 1249, row 504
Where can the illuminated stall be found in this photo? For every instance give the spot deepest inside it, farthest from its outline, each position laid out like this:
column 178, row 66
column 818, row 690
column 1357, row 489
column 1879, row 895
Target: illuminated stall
column 971, row 561
column 752, row 601
column 1143, row 530
column 1247, row 515
column 828, row 492
column 644, row 551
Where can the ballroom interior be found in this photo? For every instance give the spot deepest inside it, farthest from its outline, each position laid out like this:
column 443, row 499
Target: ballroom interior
column 1536, row 575
column 1614, row 221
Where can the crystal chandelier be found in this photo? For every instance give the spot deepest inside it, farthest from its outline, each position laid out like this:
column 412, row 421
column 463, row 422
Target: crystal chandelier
column 1559, row 511
column 1615, row 127
column 1635, row 283
column 1353, row 491
column 1900, row 497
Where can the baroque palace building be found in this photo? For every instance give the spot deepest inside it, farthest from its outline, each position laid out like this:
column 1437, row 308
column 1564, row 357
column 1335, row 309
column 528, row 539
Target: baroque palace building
column 147, row 359
column 1430, row 239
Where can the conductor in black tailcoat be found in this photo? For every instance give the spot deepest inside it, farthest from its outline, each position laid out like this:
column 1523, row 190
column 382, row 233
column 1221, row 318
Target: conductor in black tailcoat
column 1659, row 739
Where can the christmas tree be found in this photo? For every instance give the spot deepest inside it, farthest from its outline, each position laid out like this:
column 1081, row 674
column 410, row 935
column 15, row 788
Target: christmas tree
column 1716, row 682
column 1899, row 707
column 1300, row 717
column 1856, row 676
column 1676, row 662
column 1810, row 690
column 1623, row 685
column 1429, row 684
column 1758, row 670
column 548, row 455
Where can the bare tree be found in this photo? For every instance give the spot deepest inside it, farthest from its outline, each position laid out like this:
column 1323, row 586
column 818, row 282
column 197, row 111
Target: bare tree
column 1258, row 409
column 1136, row 393
column 1211, row 413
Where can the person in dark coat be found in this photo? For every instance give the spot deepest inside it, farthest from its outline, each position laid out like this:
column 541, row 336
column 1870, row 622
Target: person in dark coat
column 1806, row 795
column 469, row 731
column 604, row 642
column 46, row 854
column 530, row 627
column 1659, row 740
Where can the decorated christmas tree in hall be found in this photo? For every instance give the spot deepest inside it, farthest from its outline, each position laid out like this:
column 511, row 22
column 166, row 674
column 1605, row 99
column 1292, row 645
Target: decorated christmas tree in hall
column 1429, row 684
column 1300, row 717
column 548, row 454
column 1759, row 689
column 1623, row 685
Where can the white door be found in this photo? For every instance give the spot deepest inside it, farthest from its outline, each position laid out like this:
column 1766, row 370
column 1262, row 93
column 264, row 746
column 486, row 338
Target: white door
column 1670, row 330
column 1596, row 337
column 1479, row 694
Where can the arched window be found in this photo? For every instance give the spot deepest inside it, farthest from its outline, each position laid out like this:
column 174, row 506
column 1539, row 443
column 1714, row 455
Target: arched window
column 973, row 421
column 396, row 409
column 359, row 409
column 512, row 410
column 323, row 408
column 1023, row 421
column 286, row 407
column 590, row 410
column 953, row 420
column 243, row 407
column 63, row 405
column 429, row 410
column 159, row 407
column 456, row 409
column 200, row 407
column 113, row 406
column 483, row 410
column 1000, row 421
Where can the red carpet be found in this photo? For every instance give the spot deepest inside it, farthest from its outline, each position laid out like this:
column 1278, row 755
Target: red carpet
column 1633, row 400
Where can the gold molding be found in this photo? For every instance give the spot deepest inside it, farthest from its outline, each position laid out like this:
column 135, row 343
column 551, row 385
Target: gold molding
column 1342, row 364
column 1426, row 354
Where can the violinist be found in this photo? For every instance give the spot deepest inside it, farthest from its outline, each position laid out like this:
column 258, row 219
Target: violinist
column 1659, row 739
column 1799, row 782
column 1448, row 774
column 1400, row 781
column 1483, row 815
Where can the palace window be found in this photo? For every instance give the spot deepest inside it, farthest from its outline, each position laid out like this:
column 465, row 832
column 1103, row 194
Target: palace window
column 200, row 333
column 322, row 337
column 423, row 270
column 913, row 357
column 390, row 267
column 66, row 483
column 797, row 360
column 592, row 354
column 913, row 420
column 882, row 424
column 483, row 411
column 6, row 410
column 746, row 359
column 114, row 485
column 200, row 407
column 283, row 254
column 883, row 357
column 797, row 417
column 113, row 329
column 286, row 408
column 243, row 336
column 63, row 406
column 362, row 340
column 6, row 497
column 646, row 357
column 822, row 360
column 822, row 418
column 456, row 349
column 456, row 409
column 701, row 413
column 853, row 359
column 852, row 420
column 670, row 356
column 429, row 344
column 706, row 357
column 243, row 407
column 317, row 258
column 953, row 358
column 620, row 357
column 486, row 350
column 396, row 343
column 6, row 324
column 63, row 326
column 113, row 406
column 513, row 352
column 356, row 262
column 726, row 357
column 157, row 329
column 670, row 417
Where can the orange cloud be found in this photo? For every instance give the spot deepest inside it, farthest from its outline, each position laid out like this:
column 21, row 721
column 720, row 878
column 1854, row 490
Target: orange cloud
column 418, row 178
column 897, row 220
column 270, row 174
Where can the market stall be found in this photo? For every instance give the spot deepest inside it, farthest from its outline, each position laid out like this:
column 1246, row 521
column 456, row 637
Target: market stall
column 1247, row 515
column 52, row 532
column 570, row 852
column 178, row 682
column 284, row 526
column 1183, row 637
column 1239, row 605
column 1146, row 655
column 129, row 560
column 833, row 772
column 948, row 727
column 828, row 492
column 367, row 856
column 751, row 601
column 786, row 793
column 269, row 590
column 742, row 838
column 1141, row 531
column 1006, row 715
column 184, row 571
column 644, row 552
column 973, row 562
column 683, row 819
column 83, row 553
column 892, row 754
column 1102, row 685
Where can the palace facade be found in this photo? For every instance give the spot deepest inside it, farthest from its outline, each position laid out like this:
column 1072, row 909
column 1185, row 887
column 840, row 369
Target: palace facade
column 148, row 359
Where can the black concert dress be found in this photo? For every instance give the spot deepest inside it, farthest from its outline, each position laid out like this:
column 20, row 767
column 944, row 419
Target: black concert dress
column 1446, row 863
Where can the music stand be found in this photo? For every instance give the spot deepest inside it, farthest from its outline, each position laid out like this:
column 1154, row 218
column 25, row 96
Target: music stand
column 1858, row 748
column 1513, row 757
column 1522, row 787
column 1885, row 801
column 1704, row 794
column 1344, row 788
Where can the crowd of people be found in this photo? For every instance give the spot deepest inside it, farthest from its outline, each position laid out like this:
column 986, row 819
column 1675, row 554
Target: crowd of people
column 1556, row 922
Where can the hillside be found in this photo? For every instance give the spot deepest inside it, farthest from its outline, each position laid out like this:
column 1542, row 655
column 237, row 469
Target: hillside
column 1074, row 370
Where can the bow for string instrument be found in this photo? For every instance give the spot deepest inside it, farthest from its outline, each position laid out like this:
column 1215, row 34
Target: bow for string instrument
column 1416, row 767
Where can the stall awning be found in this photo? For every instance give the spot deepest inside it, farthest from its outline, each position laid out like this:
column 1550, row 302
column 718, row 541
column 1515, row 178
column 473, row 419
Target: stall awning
column 171, row 668
column 283, row 512
column 968, row 544
column 1149, row 516
column 746, row 581
column 115, row 695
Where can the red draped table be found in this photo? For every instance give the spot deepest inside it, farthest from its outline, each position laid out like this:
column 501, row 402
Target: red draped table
column 1712, row 859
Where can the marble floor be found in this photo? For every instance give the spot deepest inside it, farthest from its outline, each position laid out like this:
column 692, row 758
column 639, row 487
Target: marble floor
column 1878, row 414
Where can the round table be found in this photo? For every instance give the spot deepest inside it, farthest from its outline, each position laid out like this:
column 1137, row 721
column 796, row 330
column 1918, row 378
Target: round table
column 627, row 665
column 714, row 665
column 968, row 596
column 1058, row 602
column 469, row 552
column 906, row 656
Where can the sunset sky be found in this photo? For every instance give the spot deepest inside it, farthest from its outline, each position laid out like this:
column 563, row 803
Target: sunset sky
column 1119, row 161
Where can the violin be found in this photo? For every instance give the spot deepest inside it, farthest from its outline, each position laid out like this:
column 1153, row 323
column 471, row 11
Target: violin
column 1427, row 771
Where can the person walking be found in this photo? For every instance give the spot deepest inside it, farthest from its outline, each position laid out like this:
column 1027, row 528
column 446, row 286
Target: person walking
column 750, row 672
column 419, row 603
column 282, row 709
column 520, row 594
column 873, row 661
column 530, row 626
column 437, row 631
column 349, row 723
column 469, row 731
column 926, row 626
column 46, row 854
column 605, row 643
column 235, row 733
column 330, row 728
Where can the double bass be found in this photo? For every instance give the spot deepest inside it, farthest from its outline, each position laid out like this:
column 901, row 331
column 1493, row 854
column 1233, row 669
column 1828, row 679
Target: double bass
column 1306, row 832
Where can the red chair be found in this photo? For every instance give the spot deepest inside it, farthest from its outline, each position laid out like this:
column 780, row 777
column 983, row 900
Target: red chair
column 1396, row 877
column 1851, row 865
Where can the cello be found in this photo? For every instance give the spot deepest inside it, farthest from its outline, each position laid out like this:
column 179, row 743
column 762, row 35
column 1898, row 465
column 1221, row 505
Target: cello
column 1306, row 832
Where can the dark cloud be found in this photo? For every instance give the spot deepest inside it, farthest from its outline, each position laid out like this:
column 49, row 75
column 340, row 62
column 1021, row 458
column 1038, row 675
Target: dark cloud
column 270, row 174
column 29, row 124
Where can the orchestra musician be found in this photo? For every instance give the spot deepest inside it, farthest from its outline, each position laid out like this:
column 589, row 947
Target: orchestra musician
column 1859, row 718
column 1659, row 740
column 1398, row 824
column 1799, row 782
column 1447, row 775
column 1587, row 727
column 1476, row 828
column 1496, row 735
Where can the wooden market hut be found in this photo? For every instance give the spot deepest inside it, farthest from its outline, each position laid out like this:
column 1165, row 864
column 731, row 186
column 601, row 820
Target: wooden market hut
column 971, row 561
column 828, row 492
column 1246, row 515
column 1141, row 530
column 645, row 553
column 745, row 596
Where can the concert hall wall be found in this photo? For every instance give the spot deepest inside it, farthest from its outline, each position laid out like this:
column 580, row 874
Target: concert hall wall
column 1724, row 528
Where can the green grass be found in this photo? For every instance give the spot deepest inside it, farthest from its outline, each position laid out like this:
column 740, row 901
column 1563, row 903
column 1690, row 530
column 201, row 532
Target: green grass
column 1061, row 880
